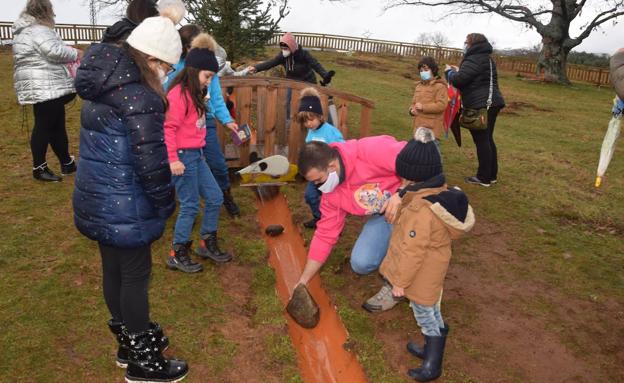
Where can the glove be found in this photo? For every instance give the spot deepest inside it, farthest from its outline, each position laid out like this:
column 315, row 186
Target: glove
column 328, row 77
column 618, row 107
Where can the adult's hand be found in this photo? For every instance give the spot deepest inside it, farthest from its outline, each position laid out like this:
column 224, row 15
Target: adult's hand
column 251, row 69
column 177, row 168
column 391, row 207
column 311, row 268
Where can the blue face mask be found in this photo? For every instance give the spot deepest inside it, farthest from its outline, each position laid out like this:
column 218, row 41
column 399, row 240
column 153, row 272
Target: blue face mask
column 425, row 76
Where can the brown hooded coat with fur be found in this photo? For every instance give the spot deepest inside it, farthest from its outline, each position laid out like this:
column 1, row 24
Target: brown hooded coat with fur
column 433, row 96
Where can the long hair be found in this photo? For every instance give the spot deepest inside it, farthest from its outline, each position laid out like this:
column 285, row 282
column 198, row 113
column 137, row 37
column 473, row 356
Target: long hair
column 148, row 77
column 188, row 78
column 139, row 10
column 475, row 38
column 187, row 34
column 41, row 10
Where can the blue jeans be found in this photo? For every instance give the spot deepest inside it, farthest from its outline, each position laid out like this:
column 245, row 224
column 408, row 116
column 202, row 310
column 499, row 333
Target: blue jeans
column 371, row 246
column 196, row 181
column 215, row 157
column 313, row 199
column 429, row 318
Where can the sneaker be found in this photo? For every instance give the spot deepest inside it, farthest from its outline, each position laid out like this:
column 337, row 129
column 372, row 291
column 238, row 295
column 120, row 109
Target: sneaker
column 475, row 181
column 493, row 181
column 382, row 301
column 179, row 259
column 43, row 173
column 209, row 249
column 311, row 224
column 68, row 168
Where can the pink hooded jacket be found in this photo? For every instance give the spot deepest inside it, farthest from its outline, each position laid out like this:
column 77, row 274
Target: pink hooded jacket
column 289, row 40
column 370, row 179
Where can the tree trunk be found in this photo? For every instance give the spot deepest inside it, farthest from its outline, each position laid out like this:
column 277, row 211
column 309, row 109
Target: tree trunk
column 553, row 60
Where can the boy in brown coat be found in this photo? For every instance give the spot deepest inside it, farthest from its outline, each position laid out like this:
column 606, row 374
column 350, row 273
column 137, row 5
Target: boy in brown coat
column 430, row 216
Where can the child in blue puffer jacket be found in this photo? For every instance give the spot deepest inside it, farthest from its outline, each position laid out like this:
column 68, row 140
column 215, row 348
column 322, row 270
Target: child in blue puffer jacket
column 123, row 191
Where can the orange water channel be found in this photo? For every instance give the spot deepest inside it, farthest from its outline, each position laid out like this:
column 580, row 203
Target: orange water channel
column 321, row 355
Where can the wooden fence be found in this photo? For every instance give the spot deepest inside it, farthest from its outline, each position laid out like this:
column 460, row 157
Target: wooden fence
column 262, row 103
column 86, row 33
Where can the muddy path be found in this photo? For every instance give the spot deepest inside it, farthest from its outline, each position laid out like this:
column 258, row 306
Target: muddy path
column 506, row 327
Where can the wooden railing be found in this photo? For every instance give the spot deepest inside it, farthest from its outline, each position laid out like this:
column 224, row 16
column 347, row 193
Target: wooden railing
column 262, row 103
column 86, row 33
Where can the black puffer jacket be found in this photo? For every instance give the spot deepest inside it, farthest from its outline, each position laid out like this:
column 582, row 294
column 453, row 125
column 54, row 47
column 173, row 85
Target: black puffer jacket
column 123, row 192
column 300, row 65
column 118, row 32
column 473, row 78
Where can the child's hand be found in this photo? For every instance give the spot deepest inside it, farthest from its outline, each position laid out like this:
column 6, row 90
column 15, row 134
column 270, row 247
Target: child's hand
column 390, row 208
column 418, row 106
column 177, row 168
column 398, row 291
column 412, row 111
column 251, row 69
column 232, row 126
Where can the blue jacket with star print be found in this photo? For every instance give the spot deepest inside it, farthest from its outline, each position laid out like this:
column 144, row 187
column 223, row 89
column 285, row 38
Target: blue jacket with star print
column 123, row 192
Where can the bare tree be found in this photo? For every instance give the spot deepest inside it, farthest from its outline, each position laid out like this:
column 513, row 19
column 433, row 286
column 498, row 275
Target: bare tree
column 437, row 39
column 551, row 19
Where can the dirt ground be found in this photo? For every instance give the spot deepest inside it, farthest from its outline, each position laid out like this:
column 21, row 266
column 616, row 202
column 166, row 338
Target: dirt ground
column 501, row 334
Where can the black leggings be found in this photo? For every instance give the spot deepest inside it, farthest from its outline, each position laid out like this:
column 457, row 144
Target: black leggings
column 126, row 274
column 486, row 148
column 50, row 129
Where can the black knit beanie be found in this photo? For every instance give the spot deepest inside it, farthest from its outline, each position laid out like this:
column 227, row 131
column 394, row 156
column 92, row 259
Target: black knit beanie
column 202, row 59
column 420, row 158
column 310, row 104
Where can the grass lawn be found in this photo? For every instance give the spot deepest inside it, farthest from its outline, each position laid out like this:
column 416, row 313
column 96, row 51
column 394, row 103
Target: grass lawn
column 535, row 294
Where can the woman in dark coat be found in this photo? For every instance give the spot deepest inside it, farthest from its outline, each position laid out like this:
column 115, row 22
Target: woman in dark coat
column 476, row 81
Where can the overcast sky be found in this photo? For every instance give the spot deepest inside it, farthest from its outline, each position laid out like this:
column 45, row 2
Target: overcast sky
column 365, row 17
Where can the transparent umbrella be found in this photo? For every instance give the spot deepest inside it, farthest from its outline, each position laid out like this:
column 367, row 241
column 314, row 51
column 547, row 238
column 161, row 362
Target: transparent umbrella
column 608, row 147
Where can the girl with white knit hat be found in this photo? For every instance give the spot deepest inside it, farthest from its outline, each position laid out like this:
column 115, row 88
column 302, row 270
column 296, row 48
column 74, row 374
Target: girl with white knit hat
column 123, row 191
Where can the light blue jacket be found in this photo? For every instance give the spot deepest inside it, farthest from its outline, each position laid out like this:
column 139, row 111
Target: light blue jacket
column 215, row 107
column 326, row 133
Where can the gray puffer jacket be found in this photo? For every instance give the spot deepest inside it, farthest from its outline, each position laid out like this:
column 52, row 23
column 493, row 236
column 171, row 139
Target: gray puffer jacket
column 39, row 57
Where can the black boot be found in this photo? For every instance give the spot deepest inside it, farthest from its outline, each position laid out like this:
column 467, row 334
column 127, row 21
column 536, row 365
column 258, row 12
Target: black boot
column 431, row 368
column 418, row 351
column 68, row 168
column 43, row 173
column 311, row 224
column 209, row 249
column 230, row 206
column 147, row 364
column 180, row 259
column 118, row 329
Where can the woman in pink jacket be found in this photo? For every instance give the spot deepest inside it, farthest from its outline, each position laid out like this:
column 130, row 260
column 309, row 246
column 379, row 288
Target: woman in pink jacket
column 356, row 177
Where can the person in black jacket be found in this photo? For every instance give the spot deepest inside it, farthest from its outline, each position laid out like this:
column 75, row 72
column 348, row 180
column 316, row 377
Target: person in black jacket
column 299, row 63
column 137, row 11
column 123, row 192
column 476, row 81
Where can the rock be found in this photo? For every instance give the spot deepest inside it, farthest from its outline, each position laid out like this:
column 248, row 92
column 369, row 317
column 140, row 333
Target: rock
column 302, row 308
column 274, row 230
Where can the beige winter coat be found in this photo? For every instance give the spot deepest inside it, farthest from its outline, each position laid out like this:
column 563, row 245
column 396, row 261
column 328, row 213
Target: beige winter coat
column 420, row 246
column 434, row 97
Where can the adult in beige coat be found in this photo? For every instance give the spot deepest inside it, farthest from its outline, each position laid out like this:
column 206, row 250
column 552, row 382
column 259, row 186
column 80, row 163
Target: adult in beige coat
column 430, row 98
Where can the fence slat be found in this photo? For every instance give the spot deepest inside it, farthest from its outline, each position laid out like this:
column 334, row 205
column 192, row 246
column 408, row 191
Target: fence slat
column 270, row 127
column 243, row 103
column 365, row 121
column 295, row 138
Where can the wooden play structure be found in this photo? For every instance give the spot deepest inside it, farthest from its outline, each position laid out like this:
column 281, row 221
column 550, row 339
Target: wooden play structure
column 262, row 102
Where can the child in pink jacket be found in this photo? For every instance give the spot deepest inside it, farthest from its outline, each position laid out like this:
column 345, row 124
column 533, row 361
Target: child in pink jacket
column 185, row 136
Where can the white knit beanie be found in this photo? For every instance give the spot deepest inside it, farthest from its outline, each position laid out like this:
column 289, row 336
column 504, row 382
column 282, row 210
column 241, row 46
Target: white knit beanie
column 157, row 36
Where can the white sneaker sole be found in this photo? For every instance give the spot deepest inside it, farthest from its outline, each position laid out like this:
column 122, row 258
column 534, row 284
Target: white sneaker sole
column 128, row 380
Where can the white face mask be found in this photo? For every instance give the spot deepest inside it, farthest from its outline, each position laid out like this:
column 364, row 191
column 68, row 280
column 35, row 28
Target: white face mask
column 330, row 184
column 285, row 52
column 162, row 76
column 465, row 48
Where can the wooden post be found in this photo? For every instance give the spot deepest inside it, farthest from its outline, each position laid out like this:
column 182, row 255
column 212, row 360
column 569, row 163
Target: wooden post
column 270, row 118
column 295, row 138
column 365, row 121
column 243, row 103
column 280, row 121
column 342, row 118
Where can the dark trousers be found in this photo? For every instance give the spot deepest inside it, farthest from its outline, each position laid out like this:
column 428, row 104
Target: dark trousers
column 50, row 129
column 126, row 274
column 486, row 148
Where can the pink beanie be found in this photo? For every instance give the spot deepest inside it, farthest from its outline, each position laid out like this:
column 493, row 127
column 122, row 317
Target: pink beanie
column 289, row 40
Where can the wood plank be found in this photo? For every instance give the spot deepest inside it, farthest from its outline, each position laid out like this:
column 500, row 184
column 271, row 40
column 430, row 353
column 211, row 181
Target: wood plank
column 243, row 103
column 365, row 121
column 295, row 138
column 270, row 121
column 343, row 109
column 280, row 120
